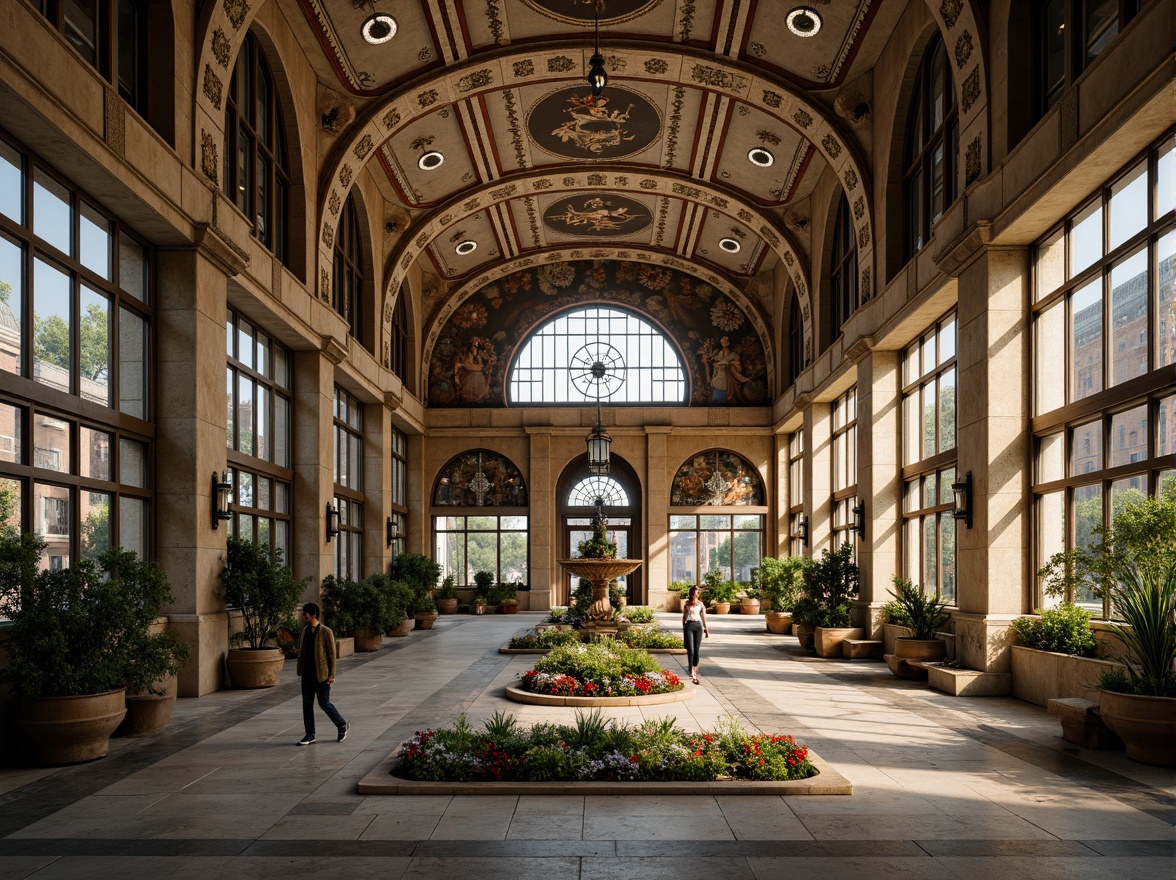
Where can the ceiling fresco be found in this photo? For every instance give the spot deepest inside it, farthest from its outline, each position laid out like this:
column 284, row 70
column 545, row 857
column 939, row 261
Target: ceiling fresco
column 572, row 124
column 720, row 348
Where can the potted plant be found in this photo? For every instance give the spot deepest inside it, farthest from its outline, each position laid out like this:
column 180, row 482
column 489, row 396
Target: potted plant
column 924, row 614
column 362, row 609
column 718, row 593
column 424, row 612
column 831, row 583
column 447, row 596
column 505, row 596
column 780, row 584
column 421, row 573
column 483, row 581
column 1054, row 657
column 674, row 597
column 748, row 595
column 400, row 600
column 1134, row 563
column 79, row 637
column 266, row 593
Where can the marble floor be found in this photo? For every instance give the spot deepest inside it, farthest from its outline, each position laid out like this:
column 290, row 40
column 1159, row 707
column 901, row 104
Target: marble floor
column 943, row 786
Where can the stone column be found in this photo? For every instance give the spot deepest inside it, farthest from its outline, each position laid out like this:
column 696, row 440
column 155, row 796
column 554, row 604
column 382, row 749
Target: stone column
column 993, row 409
column 778, row 535
column 818, row 426
column 314, row 450
column 879, row 406
column 377, row 486
column 190, row 447
column 657, row 516
column 541, row 529
column 418, row 498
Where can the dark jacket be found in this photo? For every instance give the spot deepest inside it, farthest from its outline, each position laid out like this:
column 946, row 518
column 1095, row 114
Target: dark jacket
column 325, row 653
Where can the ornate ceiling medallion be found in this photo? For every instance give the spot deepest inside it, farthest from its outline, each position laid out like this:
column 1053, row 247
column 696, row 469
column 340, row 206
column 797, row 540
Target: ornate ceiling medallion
column 582, row 12
column 597, row 216
column 466, row 247
column 379, row 28
column 572, row 124
column 804, row 21
column 761, row 156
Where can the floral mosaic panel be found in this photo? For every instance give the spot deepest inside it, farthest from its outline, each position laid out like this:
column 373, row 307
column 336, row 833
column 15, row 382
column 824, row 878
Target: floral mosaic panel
column 720, row 349
column 716, row 478
column 480, row 479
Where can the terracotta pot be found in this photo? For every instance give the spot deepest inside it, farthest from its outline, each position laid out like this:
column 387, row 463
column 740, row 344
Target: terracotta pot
column 254, row 667
column 721, row 608
column 403, row 629
column 426, row 621
column 779, row 622
column 479, row 608
column 509, row 608
column 674, row 601
column 70, row 730
column 447, row 606
column 1147, row 725
column 752, row 607
column 828, row 639
column 149, row 713
column 805, row 634
column 367, row 640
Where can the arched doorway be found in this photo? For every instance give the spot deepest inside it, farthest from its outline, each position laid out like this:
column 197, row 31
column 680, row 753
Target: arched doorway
column 576, row 494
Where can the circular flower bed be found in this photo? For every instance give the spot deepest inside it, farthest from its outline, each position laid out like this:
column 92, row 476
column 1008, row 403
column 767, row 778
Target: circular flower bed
column 548, row 638
column 599, row 669
column 592, row 749
column 650, row 638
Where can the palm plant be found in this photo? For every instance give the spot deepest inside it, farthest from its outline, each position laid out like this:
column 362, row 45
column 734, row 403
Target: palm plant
column 924, row 613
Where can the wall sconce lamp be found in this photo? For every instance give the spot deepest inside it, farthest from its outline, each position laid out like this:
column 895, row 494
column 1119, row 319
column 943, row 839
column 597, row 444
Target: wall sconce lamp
column 222, row 496
column 332, row 522
column 859, row 519
column 393, row 531
column 961, row 507
column 597, row 77
column 803, row 528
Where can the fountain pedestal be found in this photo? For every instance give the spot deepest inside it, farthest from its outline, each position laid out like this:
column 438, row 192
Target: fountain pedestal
column 600, row 572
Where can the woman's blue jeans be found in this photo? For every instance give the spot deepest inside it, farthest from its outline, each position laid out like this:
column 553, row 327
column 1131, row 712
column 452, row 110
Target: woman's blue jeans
column 692, row 636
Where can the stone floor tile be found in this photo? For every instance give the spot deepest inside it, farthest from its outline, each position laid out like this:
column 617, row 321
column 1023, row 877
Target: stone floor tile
column 667, row 869
column 645, row 826
column 538, row 827
column 319, row 828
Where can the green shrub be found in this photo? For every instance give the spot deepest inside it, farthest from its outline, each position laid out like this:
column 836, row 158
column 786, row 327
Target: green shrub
column 483, row 583
column 649, row 638
column 925, row 614
column 548, row 638
column 716, row 589
column 893, row 612
column 830, row 584
column 448, row 588
column 258, row 583
column 639, row 614
column 781, row 580
column 597, row 660
column 1065, row 629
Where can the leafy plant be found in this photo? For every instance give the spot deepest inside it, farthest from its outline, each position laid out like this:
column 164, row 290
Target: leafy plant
column 639, row 614
column 417, row 570
column 716, row 589
column 598, row 546
column 649, row 638
column 261, row 587
column 830, row 584
column 548, row 638
column 503, row 593
column 781, row 580
column 1065, row 629
column 448, row 588
column 893, row 612
column 483, row 582
column 924, row 612
column 1133, row 563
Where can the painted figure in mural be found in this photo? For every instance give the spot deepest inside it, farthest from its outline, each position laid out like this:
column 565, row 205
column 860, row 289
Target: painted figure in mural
column 471, row 371
column 723, row 372
column 593, row 126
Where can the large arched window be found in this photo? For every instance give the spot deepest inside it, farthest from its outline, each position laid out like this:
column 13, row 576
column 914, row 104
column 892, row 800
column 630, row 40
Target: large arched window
column 931, row 159
column 257, row 175
column 347, row 297
column 843, row 274
column 554, row 364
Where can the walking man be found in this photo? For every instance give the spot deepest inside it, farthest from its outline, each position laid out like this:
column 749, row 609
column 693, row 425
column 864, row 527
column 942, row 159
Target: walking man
column 316, row 668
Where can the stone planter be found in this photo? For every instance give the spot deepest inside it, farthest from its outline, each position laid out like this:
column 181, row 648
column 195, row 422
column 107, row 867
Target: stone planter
column 805, row 634
column 779, row 622
column 1041, row 676
column 673, row 601
column 366, row 640
column 752, row 607
column 509, row 608
column 721, row 608
column 1147, row 725
column 922, row 650
column 149, row 713
column 425, row 621
column 891, row 632
column 828, row 639
column 254, row 667
column 403, row 629
column 70, row 730
column 446, row 606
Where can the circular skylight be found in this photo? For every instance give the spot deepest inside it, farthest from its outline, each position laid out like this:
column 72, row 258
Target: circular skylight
column 466, row 247
column 804, row 21
column 379, row 28
column 730, row 245
column 430, row 161
column 760, row 156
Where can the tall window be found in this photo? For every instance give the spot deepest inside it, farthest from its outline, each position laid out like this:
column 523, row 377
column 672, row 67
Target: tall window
column 398, row 347
column 398, row 518
column 257, row 176
column 258, row 434
column 75, row 323
column 485, row 527
column 931, row 179
column 797, row 524
column 795, row 340
column 648, row 363
column 111, row 35
column 844, row 468
column 348, row 485
column 843, row 274
column 1069, row 35
column 929, row 459
column 348, row 275
column 1104, row 364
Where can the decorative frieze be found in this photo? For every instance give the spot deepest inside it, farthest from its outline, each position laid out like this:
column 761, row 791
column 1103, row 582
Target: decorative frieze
column 213, row 87
column 773, row 99
column 963, row 49
column 831, row 145
column 208, row 157
column 236, row 10
column 221, row 48
column 950, row 10
column 479, row 79
column 656, row 66
column 363, row 147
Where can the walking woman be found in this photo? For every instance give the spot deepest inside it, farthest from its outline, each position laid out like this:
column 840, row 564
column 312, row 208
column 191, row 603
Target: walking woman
column 693, row 629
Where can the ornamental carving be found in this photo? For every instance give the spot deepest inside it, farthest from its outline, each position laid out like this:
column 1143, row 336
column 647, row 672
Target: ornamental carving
column 972, row 161
column 560, row 64
column 656, row 66
column 803, row 119
column 950, row 10
column 859, row 207
column 542, row 183
column 524, row 68
column 334, row 203
column 675, row 123
column 221, row 48
column 236, row 10
column 391, row 119
column 503, row 192
column 773, row 99
column 324, row 286
column 863, row 237
column 345, row 175
column 648, row 183
column 722, row 79
column 832, row 147
column 328, row 235
column 768, row 137
column 744, row 215
column 865, row 284
column 213, row 88
column 208, row 157
column 479, row 79
column 470, row 205
column 971, row 89
column 851, row 179
column 759, row 50
column 363, row 147
column 691, row 192
column 963, row 49
column 789, row 259
column 428, row 98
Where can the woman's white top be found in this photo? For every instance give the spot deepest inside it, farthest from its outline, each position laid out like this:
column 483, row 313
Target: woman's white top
column 694, row 613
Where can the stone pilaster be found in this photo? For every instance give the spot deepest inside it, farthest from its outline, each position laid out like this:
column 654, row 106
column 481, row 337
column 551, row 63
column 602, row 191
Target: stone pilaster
column 818, row 427
column 544, row 571
column 377, row 486
column 313, row 425
column 657, row 517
